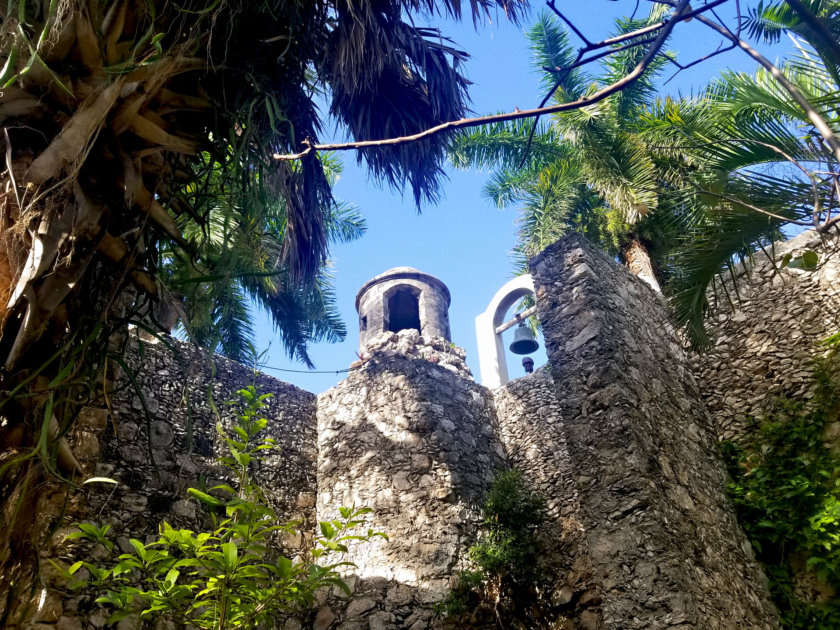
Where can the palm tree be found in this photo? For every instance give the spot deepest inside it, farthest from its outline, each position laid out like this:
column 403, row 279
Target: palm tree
column 742, row 160
column 113, row 110
column 680, row 190
column 240, row 265
column 584, row 171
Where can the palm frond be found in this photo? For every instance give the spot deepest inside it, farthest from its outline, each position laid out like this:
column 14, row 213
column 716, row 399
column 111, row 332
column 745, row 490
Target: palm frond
column 506, row 145
column 551, row 48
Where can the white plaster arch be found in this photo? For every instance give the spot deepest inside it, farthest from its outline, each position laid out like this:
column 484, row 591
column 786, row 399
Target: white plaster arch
column 491, row 350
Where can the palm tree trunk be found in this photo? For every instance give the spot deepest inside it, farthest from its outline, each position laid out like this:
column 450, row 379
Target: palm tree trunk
column 637, row 259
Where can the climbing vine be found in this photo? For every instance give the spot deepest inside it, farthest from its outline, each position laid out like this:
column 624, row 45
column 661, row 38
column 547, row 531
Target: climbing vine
column 786, row 489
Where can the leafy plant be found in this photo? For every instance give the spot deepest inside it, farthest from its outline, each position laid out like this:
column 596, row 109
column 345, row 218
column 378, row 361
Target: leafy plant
column 506, row 559
column 786, row 489
column 230, row 576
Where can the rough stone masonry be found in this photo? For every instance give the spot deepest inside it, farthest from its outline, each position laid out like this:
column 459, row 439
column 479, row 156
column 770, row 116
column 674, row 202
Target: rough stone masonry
column 661, row 540
column 767, row 329
column 613, row 433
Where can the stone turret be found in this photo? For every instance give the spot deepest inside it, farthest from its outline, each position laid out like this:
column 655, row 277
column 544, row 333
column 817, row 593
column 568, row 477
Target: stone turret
column 402, row 298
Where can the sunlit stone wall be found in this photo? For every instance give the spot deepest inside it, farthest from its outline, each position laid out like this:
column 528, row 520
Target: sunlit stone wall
column 766, row 330
column 418, row 444
column 659, row 536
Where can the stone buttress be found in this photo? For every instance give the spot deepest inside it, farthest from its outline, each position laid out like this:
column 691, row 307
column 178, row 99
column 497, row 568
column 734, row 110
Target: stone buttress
column 659, row 539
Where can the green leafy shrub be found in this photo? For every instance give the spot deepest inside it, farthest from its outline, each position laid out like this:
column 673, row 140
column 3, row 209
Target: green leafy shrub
column 510, row 517
column 507, row 555
column 786, row 489
column 230, row 576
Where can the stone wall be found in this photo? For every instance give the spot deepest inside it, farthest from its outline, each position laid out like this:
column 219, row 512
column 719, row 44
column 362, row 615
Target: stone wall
column 614, row 435
column 766, row 332
column 417, row 442
column 117, row 445
column 532, row 431
column 660, row 537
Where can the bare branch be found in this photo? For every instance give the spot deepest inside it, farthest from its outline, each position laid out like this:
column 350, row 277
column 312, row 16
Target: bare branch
column 606, row 53
column 465, row 123
column 568, row 22
column 682, row 67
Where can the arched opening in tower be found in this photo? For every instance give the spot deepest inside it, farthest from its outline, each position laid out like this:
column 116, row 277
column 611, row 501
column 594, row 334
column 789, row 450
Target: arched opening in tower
column 403, row 310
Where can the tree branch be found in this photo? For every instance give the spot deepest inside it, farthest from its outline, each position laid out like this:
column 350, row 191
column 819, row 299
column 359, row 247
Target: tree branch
column 813, row 115
column 464, row 123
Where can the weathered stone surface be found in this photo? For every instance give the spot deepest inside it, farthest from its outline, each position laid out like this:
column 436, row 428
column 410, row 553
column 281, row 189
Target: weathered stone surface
column 658, row 536
column 145, row 496
column 409, row 344
column 381, row 307
column 418, row 444
column 534, row 436
column 765, row 339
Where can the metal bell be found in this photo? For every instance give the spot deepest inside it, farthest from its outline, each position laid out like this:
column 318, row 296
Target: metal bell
column 523, row 340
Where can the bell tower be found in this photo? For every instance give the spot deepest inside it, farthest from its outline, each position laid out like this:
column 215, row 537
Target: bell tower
column 399, row 299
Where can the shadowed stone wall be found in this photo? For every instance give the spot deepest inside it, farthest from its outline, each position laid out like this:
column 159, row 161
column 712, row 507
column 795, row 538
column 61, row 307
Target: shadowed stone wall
column 659, row 535
column 766, row 337
column 532, row 431
column 417, row 443
column 117, row 446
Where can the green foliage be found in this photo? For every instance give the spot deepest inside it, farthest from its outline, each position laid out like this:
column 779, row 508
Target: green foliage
column 786, row 489
column 464, row 597
column 586, row 171
column 507, row 556
column 239, row 264
column 510, row 516
column 230, row 576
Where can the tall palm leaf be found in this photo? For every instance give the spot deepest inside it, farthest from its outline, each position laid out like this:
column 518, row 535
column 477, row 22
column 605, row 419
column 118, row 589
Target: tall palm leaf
column 740, row 149
column 584, row 170
column 241, row 262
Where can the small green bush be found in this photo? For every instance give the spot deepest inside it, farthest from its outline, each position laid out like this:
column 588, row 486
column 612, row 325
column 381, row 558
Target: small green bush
column 510, row 517
column 507, row 556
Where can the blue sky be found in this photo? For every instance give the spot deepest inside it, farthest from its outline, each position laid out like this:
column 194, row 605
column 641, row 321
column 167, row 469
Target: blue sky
column 464, row 240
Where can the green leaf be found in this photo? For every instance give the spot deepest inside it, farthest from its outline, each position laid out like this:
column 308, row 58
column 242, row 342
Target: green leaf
column 119, row 615
column 100, row 480
column 230, row 553
column 808, row 261
column 786, row 260
column 172, row 577
column 327, row 530
column 204, row 498
column 139, row 548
